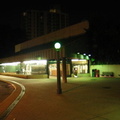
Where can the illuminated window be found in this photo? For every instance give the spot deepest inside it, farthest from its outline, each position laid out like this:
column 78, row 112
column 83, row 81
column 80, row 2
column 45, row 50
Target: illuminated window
column 24, row 13
column 53, row 10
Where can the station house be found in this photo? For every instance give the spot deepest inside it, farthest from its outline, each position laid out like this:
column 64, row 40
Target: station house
column 38, row 56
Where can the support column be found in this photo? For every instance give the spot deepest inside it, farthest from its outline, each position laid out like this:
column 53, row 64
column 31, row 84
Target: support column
column 64, row 74
column 59, row 90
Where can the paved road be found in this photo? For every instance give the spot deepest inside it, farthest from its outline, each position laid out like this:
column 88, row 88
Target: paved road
column 82, row 99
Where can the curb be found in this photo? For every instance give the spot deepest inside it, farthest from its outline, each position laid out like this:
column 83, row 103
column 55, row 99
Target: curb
column 9, row 100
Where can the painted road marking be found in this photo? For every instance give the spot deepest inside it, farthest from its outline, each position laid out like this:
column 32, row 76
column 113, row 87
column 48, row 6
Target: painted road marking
column 10, row 108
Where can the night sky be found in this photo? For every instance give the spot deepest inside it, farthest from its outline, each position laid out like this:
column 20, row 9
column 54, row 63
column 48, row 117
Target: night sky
column 101, row 16
column 77, row 10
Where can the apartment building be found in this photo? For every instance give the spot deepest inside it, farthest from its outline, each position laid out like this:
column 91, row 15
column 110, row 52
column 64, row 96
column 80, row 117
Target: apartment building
column 36, row 23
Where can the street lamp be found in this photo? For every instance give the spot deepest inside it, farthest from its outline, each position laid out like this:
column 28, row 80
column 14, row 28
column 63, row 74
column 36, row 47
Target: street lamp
column 57, row 47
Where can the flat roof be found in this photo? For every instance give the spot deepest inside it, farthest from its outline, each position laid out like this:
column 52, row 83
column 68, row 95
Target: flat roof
column 67, row 32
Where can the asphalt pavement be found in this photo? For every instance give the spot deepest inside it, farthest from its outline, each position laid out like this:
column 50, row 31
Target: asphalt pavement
column 83, row 98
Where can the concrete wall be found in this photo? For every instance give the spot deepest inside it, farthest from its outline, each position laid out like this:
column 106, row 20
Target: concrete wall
column 44, row 54
column 106, row 68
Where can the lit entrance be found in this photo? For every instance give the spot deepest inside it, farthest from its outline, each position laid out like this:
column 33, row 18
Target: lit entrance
column 79, row 67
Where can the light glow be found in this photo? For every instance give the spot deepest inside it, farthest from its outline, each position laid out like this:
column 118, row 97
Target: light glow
column 44, row 62
column 12, row 63
column 77, row 60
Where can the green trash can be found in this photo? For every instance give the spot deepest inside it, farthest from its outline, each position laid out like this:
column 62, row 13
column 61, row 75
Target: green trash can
column 93, row 72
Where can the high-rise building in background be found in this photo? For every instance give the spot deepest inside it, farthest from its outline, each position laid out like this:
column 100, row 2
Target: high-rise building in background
column 36, row 23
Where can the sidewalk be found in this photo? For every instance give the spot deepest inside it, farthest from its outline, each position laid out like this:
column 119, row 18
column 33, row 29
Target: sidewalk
column 87, row 98
column 5, row 90
column 9, row 93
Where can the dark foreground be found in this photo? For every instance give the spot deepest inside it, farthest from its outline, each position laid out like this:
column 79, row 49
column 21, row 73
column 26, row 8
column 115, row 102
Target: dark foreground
column 86, row 98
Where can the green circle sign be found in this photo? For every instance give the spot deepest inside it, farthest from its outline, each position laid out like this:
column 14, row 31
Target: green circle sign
column 57, row 45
